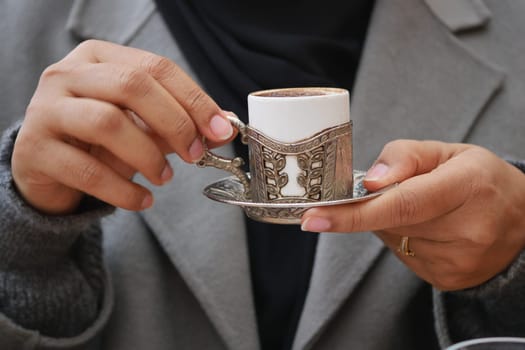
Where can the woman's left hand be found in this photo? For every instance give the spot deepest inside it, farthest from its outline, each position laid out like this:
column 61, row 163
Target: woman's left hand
column 461, row 207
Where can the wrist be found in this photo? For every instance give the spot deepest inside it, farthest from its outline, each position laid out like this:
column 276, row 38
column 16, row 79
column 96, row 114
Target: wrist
column 32, row 237
column 58, row 201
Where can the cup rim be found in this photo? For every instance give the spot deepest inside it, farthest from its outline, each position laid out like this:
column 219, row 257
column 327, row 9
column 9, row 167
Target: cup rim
column 329, row 91
column 515, row 340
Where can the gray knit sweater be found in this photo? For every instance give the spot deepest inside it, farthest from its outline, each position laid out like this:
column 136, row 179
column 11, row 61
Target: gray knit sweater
column 52, row 271
column 51, row 268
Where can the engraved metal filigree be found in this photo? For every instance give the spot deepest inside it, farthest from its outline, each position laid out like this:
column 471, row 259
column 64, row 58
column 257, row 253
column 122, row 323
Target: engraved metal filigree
column 311, row 178
column 234, row 165
column 275, row 179
column 297, row 147
column 324, row 160
column 275, row 215
column 325, row 168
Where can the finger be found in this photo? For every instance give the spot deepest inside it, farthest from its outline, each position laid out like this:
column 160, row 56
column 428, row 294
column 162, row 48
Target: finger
column 112, row 161
column 100, row 123
column 448, row 265
column 432, row 252
column 104, row 156
column 402, row 159
column 417, row 263
column 136, row 90
column 437, row 229
column 209, row 118
column 77, row 169
column 423, row 261
column 161, row 143
column 416, row 200
column 213, row 144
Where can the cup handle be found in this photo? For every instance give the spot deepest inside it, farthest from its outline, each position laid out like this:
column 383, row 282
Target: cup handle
column 231, row 165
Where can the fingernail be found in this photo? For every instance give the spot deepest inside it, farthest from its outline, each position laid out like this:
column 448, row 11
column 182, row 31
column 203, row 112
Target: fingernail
column 147, row 202
column 167, row 173
column 316, row 224
column 196, row 150
column 376, row 172
column 221, row 127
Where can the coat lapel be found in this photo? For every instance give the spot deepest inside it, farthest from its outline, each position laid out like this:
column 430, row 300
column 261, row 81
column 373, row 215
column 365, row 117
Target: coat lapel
column 206, row 241
column 115, row 20
column 341, row 262
column 460, row 15
column 415, row 81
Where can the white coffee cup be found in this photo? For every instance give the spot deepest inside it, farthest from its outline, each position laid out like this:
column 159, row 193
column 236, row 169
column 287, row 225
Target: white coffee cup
column 295, row 114
column 300, row 146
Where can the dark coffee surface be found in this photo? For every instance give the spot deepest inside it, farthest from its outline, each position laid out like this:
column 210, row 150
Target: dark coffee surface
column 299, row 92
column 289, row 93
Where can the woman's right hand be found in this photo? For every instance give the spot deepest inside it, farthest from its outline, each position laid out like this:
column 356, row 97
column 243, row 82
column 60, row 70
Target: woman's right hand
column 100, row 115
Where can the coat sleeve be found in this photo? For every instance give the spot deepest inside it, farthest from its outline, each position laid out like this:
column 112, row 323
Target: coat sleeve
column 54, row 290
column 495, row 308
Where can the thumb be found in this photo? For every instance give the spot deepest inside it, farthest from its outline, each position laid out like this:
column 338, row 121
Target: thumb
column 403, row 159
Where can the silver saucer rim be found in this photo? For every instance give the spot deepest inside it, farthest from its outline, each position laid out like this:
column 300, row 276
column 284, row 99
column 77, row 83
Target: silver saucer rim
column 361, row 195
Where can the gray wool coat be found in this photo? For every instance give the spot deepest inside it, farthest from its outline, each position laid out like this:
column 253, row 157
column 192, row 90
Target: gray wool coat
column 177, row 275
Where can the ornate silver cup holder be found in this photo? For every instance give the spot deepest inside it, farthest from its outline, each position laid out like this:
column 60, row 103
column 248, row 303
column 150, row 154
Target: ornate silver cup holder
column 230, row 190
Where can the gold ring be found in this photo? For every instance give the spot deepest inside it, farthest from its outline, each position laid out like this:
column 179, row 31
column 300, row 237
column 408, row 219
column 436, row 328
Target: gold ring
column 403, row 247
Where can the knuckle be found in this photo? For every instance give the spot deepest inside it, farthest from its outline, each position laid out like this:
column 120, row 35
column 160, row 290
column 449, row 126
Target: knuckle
column 196, row 99
column 159, row 67
column 481, row 181
column 55, row 70
column 107, row 120
column 183, row 129
column 391, row 145
column 131, row 198
column 404, row 208
column 482, row 187
column 89, row 175
column 28, row 147
column 473, row 187
column 37, row 108
column 397, row 145
column 33, row 108
column 395, row 148
column 88, row 45
column 354, row 220
column 134, row 82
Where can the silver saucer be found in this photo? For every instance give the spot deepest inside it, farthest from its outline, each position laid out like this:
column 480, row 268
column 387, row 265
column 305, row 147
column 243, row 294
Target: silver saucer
column 231, row 191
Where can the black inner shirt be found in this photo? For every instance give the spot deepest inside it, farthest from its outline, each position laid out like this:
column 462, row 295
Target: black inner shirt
column 239, row 46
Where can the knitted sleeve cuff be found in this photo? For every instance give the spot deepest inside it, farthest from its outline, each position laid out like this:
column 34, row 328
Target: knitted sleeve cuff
column 15, row 336
column 28, row 237
column 487, row 310
column 494, row 308
column 53, row 285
